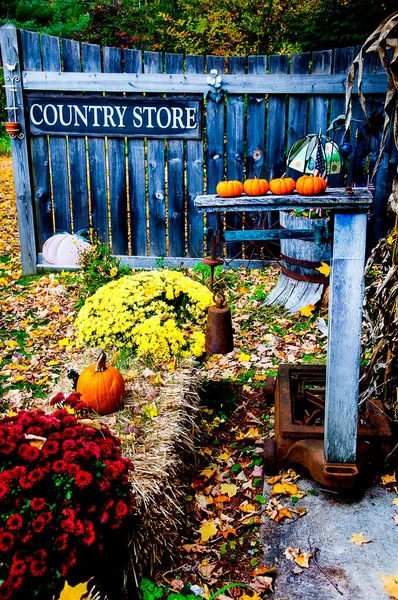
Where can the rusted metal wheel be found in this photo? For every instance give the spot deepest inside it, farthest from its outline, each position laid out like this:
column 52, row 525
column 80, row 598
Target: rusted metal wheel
column 269, row 455
column 269, row 388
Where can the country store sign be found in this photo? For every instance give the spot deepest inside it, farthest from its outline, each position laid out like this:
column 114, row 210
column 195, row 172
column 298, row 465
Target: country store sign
column 121, row 117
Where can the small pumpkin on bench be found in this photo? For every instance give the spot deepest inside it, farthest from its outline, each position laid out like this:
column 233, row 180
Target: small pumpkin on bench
column 229, row 189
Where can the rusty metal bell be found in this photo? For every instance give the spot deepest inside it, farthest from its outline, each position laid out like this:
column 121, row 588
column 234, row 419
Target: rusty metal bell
column 219, row 333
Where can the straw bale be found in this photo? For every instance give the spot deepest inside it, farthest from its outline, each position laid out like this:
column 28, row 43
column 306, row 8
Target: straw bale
column 162, row 449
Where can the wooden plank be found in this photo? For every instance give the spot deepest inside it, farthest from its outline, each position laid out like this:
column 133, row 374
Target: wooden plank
column 255, row 122
column 189, row 84
column 235, row 148
column 319, row 105
column 298, row 105
column 156, row 176
column 76, row 150
column 276, row 119
column 175, row 179
column 136, row 173
column 11, row 52
column 91, row 55
column 344, row 339
column 214, row 140
column 332, row 198
column 117, row 169
column 195, row 176
column 58, row 155
column 342, row 59
column 38, row 156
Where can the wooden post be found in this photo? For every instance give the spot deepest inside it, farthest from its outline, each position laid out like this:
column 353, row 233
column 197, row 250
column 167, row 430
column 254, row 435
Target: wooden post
column 345, row 324
column 10, row 51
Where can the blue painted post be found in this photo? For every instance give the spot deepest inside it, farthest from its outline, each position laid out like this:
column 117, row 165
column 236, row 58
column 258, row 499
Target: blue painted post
column 345, row 325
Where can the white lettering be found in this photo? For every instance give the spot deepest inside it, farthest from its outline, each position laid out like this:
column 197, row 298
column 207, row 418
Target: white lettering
column 121, row 114
column 191, row 116
column 32, row 116
column 159, row 120
column 178, row 117
column 82, row 116
column 108, row 116
column 95, row 109
column 61, row 114
column 149, row 110
column 137, row 116
column 45, row 114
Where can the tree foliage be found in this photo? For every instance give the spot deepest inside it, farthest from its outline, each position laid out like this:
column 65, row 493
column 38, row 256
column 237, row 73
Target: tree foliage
column 224, row 27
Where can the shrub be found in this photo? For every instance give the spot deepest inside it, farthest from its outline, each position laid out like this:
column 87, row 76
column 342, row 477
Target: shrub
column 157, row 314
column 65, row 494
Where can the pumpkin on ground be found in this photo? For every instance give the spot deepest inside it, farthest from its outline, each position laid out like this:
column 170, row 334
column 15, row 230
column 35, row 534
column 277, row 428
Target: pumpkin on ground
column 284, row 185
column 64, row 249
column 101, row 386
column 229, row 189
column 308, row 185
column 256, row 187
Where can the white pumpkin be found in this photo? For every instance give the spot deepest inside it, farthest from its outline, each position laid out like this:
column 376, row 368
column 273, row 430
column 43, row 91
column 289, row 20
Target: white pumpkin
column 64, row 249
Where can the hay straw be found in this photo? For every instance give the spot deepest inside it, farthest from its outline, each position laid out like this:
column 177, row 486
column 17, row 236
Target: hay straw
column 161, row 449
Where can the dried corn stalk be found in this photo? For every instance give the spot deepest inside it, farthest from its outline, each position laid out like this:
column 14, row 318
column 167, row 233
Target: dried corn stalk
column 381, row 289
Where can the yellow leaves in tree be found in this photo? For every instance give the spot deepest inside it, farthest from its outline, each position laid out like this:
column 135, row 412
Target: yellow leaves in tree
column 230, row 489
column 207, row 531
column 391, row 584
column 75, row 592
column 324, row 269
column 359, row 539
column 307, row 311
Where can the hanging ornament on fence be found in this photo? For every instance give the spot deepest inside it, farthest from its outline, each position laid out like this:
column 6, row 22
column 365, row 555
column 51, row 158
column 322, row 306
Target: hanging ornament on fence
column 315, row 154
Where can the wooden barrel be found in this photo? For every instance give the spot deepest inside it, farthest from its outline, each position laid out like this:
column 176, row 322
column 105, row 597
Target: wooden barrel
column 300, row 283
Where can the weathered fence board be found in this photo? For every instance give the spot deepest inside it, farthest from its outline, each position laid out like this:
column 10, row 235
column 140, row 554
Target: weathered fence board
column 51, row 58
column 139, row 193
column 195, row 170
column 156, row 178
column 175, row 178
column 214, row 137
column 136, row 173
column 177, row 84
column 117, row 169
column 235, row 130
column 76, row 150
column 42, row 202
column 91, row 54
column 23, row 190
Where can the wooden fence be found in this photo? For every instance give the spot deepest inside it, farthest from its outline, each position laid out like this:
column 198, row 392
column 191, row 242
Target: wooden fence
column 138, row 192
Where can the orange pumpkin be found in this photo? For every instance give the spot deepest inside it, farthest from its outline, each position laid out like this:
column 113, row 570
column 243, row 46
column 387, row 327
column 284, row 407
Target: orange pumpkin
column 256, row 186
column 308, row 185
column 101, row 386
column 284, row 185
column 229, row 189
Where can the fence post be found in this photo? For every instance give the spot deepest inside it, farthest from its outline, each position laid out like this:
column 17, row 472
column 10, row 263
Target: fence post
column 11, row 51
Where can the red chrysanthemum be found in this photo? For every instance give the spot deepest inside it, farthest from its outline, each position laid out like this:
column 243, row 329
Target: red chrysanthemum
column 6, row 541
column 38, row 568
column 89, row 533
column 61, row 542
column 28, row 453
column 4, row 489
column 50, row 448
column 15, row 581
column 83, row 479
column 18, row 567
column 38, row 524
column 37, row 503
column 5, row 590
column 14, row 522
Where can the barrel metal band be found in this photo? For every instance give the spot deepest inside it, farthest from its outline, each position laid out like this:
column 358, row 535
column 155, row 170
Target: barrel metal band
column 302, row 277
column 308, row 264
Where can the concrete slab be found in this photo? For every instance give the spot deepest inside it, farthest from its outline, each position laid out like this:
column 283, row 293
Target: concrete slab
column 331, row 520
